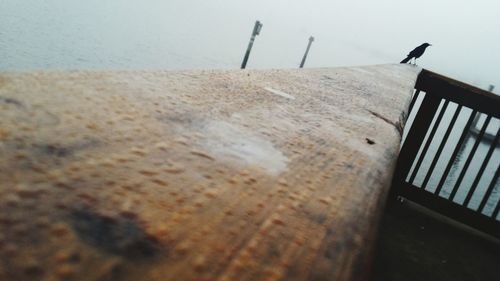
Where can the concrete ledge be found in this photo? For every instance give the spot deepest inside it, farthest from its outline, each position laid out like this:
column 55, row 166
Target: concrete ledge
column 196, row 175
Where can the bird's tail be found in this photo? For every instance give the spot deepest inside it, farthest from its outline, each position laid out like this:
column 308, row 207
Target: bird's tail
column 407, row 59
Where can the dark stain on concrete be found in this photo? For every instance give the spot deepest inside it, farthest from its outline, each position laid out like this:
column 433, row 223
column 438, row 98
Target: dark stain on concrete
column 54, row 150
column 115, row 235
column 61, row 150
column 12, row 101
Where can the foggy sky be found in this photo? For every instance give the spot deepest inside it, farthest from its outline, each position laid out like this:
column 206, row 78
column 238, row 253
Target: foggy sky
column 185, row 34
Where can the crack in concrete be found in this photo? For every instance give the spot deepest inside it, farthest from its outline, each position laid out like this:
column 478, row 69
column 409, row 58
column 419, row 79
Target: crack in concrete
column 398, row 124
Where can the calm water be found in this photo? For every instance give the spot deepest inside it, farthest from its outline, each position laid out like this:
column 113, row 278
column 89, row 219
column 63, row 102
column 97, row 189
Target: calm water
column 152, row 34
column 187, row 34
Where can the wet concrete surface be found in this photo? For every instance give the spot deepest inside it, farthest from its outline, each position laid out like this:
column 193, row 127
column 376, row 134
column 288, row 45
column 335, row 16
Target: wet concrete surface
column 196, row 175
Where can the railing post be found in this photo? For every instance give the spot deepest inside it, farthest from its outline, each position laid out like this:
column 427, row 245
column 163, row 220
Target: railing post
column 413, row 141
column 427, row 193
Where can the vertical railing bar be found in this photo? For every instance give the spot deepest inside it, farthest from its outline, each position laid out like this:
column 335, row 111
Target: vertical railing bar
column 413, row 100
column 456, row 151
column 495, row 212
column 481, row 170
column 428, row 142
column 441, row 146
column 489, row 191
column 469, row 159
column 416, row 135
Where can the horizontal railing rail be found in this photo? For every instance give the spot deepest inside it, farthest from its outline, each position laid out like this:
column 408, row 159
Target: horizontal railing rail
column 449, row 159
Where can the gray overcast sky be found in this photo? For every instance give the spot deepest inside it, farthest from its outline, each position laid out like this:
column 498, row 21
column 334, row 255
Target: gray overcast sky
column 180, row 34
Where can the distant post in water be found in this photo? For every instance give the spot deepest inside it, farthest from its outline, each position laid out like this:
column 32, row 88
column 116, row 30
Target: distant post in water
column 311, row 39
column 255, row 32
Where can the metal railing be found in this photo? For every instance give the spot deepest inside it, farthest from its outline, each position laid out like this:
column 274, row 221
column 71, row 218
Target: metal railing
column 449, row 160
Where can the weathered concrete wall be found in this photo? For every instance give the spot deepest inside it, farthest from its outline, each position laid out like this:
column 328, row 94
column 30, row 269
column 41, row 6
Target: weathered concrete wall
column 196, row 175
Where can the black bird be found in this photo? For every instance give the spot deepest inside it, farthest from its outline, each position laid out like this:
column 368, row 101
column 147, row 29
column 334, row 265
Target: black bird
column 416, row 53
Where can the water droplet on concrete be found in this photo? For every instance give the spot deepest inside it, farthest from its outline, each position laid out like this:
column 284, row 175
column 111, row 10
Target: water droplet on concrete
column 183, row 248
column 59, row 230
column 148, row 173
column 174, row 169
column 160, row 182
column 65, row 271
column 278, row 221
column 199, row 263
column 202, row 154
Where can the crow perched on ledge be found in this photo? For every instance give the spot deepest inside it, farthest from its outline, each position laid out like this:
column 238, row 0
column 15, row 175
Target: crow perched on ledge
column 416, row 53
